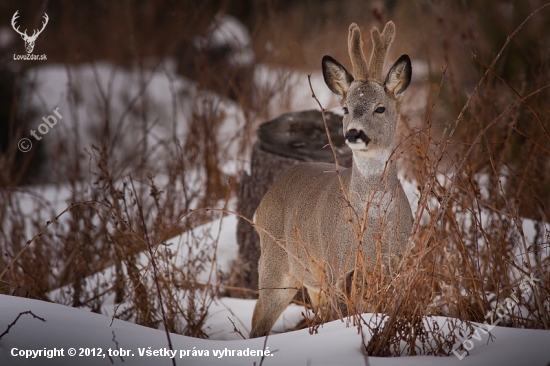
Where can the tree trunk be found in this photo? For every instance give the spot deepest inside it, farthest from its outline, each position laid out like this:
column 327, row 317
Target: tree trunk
column 289, row 139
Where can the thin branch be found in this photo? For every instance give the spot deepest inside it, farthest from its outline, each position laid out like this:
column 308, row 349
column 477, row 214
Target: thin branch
column 488, row 68
column 235, row 330
column 155, row 273
column 439, row 153
column 16, row 319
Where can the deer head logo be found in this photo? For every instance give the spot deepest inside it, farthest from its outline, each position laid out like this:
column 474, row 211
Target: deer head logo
column 29, row 40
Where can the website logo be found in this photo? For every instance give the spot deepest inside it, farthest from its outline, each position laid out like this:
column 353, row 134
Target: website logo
column 29, row 40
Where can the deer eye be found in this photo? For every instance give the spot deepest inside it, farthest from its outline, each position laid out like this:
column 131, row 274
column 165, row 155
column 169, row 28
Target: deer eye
column 346, row 111
column 380, row 110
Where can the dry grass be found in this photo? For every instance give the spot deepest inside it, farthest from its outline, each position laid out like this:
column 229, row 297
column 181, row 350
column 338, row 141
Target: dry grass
column 118, row 214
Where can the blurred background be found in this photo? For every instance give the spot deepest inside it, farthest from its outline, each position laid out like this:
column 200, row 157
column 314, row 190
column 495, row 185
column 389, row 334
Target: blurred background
column 291, row 34
column 169, row 94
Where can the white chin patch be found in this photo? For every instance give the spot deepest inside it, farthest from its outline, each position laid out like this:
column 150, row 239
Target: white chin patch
column 359, row 145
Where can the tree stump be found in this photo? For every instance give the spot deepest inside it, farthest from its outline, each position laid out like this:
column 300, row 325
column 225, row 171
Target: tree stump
column 287, row 140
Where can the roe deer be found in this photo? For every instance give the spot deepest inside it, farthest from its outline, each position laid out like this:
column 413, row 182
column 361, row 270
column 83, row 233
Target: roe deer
column 313, row 221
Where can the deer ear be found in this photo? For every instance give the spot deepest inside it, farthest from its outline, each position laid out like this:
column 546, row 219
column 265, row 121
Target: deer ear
column 399, row 76
column 337, row 78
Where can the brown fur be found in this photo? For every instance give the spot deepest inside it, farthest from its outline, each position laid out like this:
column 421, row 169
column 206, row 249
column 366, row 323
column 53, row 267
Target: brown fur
column 381, row 45
column 355, row 47
column 310, row 224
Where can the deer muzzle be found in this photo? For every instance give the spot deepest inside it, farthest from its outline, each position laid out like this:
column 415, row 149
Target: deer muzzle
column 353, row 135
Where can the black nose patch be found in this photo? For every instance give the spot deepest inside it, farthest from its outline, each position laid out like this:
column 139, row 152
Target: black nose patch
column 353, row 135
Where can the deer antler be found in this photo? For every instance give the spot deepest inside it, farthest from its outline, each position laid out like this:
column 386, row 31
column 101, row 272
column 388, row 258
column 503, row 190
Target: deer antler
column 381, row 45
column 43, row 26
column 15, row 16
column 24, row 34
column 355, row 49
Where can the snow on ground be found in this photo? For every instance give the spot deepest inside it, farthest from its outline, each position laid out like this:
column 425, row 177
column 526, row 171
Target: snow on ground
column 334, row 345
column 67, row 327
column 204, row 237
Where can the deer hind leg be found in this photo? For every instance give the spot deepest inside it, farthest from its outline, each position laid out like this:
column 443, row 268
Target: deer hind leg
column 327, row 304
column 315, row 297
column 353, row 293
column 277, row 288
column 319, row 302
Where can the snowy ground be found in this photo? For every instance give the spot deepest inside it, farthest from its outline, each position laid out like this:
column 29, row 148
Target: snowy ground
column 68, row 328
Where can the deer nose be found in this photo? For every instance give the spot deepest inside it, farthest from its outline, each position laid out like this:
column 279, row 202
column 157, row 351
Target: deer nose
column 353, row 135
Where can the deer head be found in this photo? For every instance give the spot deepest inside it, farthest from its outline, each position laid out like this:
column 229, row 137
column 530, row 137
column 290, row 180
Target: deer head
column 29, row 40
column 370, row 101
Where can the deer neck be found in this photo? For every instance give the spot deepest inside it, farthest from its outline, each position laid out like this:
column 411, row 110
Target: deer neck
column 373, row 173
